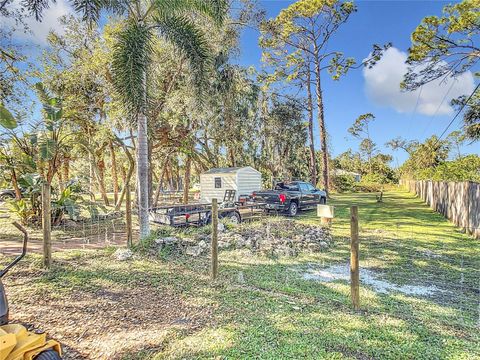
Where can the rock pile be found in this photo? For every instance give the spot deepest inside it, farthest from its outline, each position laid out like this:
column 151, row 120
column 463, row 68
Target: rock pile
column 271, row 238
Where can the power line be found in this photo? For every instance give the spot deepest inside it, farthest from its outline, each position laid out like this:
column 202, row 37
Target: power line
column 414, row 110
column 458, row 112
column 439, row 106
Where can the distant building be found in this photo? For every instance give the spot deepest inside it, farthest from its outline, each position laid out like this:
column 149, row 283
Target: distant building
column 214, row 182
column 341, row 172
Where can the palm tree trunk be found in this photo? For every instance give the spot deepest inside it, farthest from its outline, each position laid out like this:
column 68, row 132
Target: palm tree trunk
column 114, row 171
column 142, row 173
column 186, row 183
column 313, row 161
column 150, row 173
column 321, row 124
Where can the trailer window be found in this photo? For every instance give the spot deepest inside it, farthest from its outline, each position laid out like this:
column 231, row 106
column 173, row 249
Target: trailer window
column 218, row 183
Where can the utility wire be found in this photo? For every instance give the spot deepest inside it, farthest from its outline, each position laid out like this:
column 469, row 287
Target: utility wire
column 412, row 116
column 458, row 113
column 439, row 106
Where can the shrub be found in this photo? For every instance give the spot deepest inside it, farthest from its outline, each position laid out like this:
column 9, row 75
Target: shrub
column 375, row 179
column 343, row 183
column 371, row 183
column 368, row 187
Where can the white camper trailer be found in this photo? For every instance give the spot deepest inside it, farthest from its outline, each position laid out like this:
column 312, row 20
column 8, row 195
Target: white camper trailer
column 214, row 182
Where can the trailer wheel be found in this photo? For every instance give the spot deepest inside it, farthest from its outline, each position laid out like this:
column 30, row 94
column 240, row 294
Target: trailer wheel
column 233, row 217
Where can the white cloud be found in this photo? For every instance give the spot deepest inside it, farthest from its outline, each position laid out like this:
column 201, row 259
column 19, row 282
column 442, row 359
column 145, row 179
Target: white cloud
column 382, row 85
column 39, row 30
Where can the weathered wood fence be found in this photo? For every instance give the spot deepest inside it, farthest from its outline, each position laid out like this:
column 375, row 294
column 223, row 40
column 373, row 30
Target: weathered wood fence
column 457, row 201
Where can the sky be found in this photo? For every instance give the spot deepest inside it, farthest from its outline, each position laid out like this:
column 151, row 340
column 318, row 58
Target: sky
column 413, row 115
column 416, row 115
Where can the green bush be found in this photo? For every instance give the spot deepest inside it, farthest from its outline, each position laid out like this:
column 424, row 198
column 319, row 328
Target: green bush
column 371, row 183
column 375, row 179
column 368, row 187
column 343, row 183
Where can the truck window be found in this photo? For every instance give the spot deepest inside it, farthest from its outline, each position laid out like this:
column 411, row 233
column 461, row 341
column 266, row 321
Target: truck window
column 283, row 186
column 303, row 187
column 310, row 187
column 218, row 183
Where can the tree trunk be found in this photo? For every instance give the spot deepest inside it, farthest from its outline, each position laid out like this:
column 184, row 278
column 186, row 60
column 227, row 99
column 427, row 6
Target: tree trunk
column 160, row 185
column 46, row 225
column 186, row 182
column 150, row 174
column 142, row 171
column 66, row 168
column 91, row 174
column 61, row 182
column 231, row 156
column 101, row 180
column 321, row 124
column 114, row 172
column 313, row 160
column 18, row 192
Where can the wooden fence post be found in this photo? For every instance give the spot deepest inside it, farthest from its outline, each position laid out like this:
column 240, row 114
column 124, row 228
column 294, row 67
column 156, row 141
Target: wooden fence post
column 354, row 268
column 128, row 215
column 46, row 225
column 214, row 239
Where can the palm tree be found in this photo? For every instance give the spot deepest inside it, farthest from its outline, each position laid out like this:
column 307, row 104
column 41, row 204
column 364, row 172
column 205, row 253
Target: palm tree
column 174, row 21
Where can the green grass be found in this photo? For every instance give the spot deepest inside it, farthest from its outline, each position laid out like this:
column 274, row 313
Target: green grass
column 275, row 314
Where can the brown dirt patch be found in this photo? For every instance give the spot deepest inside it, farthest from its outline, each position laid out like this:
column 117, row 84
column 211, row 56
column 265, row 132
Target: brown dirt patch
column 107, row 323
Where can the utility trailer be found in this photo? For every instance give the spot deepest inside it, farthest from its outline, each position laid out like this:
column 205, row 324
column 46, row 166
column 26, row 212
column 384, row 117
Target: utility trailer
column 201, row 214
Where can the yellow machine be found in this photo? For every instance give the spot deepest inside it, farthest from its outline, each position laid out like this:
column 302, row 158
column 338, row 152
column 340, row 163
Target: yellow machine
column 16, row 342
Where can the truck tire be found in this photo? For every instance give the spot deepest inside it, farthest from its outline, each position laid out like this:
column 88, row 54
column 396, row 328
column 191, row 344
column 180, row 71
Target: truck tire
column 48, row 355
column 323, row 201
column 292, row 209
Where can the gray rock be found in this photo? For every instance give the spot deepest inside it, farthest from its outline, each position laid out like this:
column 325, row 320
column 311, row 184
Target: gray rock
column 313, row 247
column 166, row 240
column 123, row 254
column 188, row 241
column 193, row 250
column 202, row 244
column 223, row 245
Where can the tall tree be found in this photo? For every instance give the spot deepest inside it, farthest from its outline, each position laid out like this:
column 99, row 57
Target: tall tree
column 304, row 29
column 361, row 130
column 173, row 21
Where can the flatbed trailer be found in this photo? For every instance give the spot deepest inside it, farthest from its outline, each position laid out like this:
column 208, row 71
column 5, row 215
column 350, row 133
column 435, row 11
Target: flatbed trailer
column 201, row 214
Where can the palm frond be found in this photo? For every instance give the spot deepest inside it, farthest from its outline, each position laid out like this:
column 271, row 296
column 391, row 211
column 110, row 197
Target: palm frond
column 130, row 62
column 36, row 7
column 90, row 9
column 189, row 40
column 216, row 10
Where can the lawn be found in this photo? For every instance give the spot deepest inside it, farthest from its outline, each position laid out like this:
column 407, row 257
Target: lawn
column 156, row 307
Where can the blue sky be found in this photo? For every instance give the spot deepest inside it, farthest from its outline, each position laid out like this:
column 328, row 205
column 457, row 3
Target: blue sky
column 375, row 22
column 359, row 92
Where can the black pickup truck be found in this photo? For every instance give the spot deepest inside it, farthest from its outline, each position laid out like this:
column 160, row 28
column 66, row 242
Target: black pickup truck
column 291, row 197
